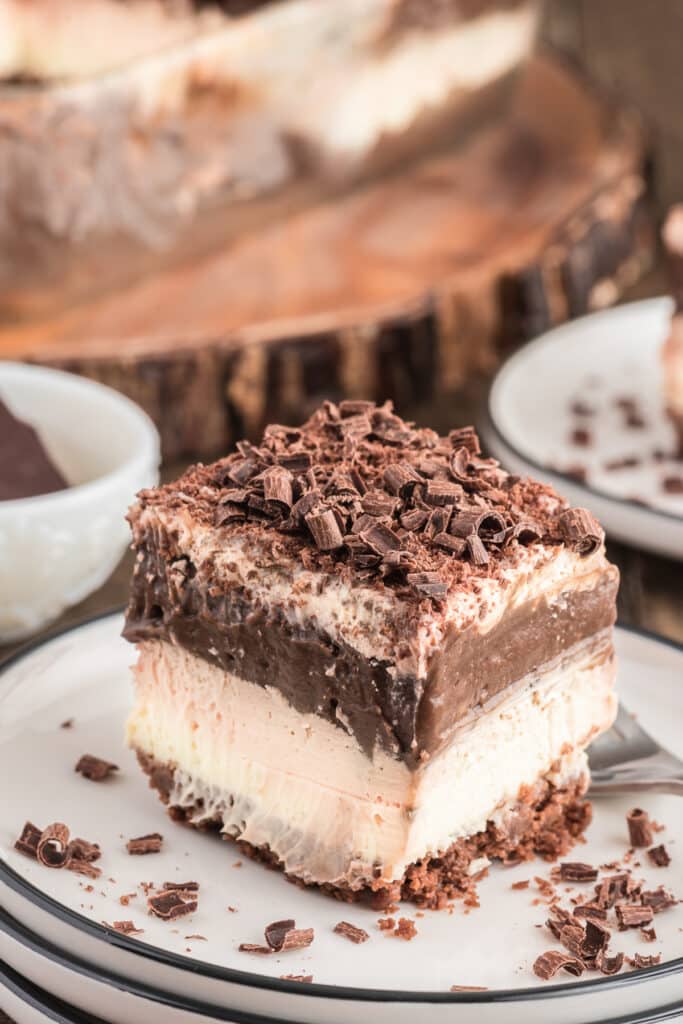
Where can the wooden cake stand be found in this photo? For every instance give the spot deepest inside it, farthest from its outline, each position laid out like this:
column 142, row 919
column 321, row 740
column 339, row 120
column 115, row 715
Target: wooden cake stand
column 407, row 287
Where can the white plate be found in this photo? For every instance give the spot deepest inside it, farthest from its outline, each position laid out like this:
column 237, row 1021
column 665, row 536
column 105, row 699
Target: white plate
column 84, row 674
column 598, row 360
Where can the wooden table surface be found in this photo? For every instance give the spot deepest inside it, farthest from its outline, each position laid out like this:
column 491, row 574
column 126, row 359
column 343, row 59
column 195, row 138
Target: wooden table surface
column 650, row 597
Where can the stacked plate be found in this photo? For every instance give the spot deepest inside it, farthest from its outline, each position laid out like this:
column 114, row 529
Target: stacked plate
column 582, row 407
column 57, row 931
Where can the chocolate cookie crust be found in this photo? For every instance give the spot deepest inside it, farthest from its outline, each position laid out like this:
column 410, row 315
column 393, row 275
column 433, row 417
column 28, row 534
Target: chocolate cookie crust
column 546, row 821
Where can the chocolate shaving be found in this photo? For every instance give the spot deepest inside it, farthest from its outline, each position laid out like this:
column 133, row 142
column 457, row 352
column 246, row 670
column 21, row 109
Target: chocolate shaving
column 525, row 532
column 125, row 927
column 468, row 988
column 414, row 520
column 572, row 937
column 95, row 768
column 476, row 550
column 83, row 867
column 82, row 849
column 581, row 531
column 575, row 871
column 400, row 478
column 548, row 964
column 632, row 916
column 170, row 904
column 673, row 484
column 27, row 843
column 648, row 934
column 189, row 887
column 351, row 932
column 380, row 539
column 253, row 947
column 377, row 503
column 283, row 935
column 659, row 856
column 596, row 937
column 305, row 978
column 590, row 910
column 639, row 962
column 277, row 487
column 428, row 584
column 275, row 932
column 324, row 529
column 581, row 437
column 639, row 828
column 658, row 899
column 145, row 844
column 454, row 544
column 51, row 850
column 441, row 492
column 609, row 964
column 465, row 437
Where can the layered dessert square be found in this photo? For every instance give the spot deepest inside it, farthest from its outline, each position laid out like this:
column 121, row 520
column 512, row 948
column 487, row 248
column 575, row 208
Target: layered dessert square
column 370, row 655
column 672, row 352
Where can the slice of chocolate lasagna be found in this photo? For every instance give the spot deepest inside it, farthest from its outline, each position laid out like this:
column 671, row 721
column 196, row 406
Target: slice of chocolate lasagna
column 370, row 655
column 672, row 351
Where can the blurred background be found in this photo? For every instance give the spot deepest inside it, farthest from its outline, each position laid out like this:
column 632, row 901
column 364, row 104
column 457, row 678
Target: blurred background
column 229, row 212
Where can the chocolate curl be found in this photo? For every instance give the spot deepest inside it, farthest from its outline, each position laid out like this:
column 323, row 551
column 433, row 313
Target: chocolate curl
column 672, row 237
column 277, row 487
column 51, row 850
column 581, row 531
column 325, row 529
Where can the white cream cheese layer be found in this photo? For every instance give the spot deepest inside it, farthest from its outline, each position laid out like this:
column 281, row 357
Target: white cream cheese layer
column 302, row 786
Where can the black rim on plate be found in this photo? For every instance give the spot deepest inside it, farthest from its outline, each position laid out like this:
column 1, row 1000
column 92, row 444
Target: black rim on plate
column 540, row 467
column 248, row 979
column 56, row 1009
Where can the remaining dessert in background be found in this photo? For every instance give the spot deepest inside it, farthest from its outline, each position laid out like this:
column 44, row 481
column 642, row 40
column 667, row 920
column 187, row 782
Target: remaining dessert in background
column 173, row 128
column 672, row 352
column 371, row 655
column 26, row 469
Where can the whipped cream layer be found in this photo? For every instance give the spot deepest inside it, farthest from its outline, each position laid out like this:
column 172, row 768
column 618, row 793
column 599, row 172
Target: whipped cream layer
column 302, row 787
column 366, row 618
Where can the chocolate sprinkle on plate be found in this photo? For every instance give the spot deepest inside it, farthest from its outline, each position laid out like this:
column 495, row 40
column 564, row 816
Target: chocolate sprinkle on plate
column 145, row 844
column 639, row 828
column 659, row 856
column 170, row 904
column 468, row 988
column 95, row 768
column 51, row 850
column 673, row 484
column 659, row 899
column 631, row 916
column 575, row 871
column 548, row 964
column 27, row 843
column 351, row 932
column 638, row 962
column 609, row 965
column 125, row 927
column 284, row 935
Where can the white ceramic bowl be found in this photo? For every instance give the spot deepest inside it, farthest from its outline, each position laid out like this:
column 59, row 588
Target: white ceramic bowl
column 57, row 548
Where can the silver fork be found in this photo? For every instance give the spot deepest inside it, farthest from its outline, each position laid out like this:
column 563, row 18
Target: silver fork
column 627, row 759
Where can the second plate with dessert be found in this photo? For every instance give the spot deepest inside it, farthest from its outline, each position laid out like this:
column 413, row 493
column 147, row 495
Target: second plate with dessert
column 82, row 678
column 583, row 407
